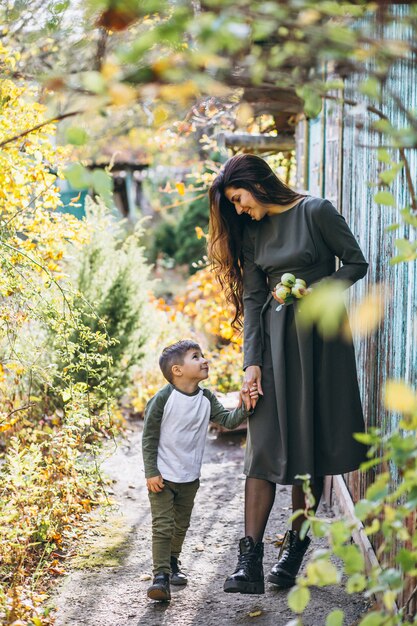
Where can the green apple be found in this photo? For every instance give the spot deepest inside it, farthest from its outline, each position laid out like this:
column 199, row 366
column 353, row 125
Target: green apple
column 300, row 281
column 288, row 279
column 298, row 291
column 282, row 291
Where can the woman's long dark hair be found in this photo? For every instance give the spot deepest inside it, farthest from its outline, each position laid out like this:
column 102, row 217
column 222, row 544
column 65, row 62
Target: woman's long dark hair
column 226, row 226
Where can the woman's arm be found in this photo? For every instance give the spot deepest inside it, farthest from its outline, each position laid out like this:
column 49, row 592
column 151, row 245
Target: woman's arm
column 255, row 293
column 340, row 240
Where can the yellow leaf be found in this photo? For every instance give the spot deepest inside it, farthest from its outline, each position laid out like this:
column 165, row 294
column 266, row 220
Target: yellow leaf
column 368, row 314
column 110, row 70
column 183, row 92
column 255, row 613
column 389, row 599
column 398, row 396
column 160, row 114
column 199, row 232
column 180, row 187
column 243, row 114
column 121, row 94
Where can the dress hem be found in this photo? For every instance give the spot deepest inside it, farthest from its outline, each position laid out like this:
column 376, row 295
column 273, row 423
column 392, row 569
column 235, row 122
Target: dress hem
column 280, row 481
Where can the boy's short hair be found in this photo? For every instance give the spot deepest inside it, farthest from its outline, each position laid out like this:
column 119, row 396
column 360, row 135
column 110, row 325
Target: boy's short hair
column 174, row 355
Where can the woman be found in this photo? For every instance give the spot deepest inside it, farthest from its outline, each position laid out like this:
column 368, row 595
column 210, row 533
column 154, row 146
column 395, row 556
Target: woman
column 310, row 404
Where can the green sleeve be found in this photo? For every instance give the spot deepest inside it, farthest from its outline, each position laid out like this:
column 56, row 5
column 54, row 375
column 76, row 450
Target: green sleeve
column 220, row 415
column 152, row 427
column 255, row 294
column 341, row 241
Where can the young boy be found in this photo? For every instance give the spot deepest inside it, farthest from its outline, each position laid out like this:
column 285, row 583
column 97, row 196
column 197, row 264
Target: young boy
column 176, row 421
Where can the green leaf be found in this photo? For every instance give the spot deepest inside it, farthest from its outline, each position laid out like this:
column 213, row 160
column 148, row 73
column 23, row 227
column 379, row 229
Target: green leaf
column 313, row 105
column 409, row 217
column 335, row 618
column 373, row 527
column 407, row 249
column 384, row 126
column 298, row 599
column 406, row 559
column 388, row 176
column 385, row 197
column 356, row 583
column 339, row 532
column 322, row 573
column 383, row 156
column 66, row 395
column 365, row 438
column 376, row 618
column 78, row 176
column 371, row 87
column 392, row 227
column 392, row 578
column 325, row 306
column 103, row 185
column 379, row 488
column 352, row 558
column 312, row 100
column 76, row 136
column 318, row 528
column 363, row 508
column 93, row 81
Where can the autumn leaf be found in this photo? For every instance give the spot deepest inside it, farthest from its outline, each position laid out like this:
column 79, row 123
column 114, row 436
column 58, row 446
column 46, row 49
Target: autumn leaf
column 367, row 315
column 400, row 397
column 117, row 19
column 121, row 94
column 180, row 187
column 160, row 115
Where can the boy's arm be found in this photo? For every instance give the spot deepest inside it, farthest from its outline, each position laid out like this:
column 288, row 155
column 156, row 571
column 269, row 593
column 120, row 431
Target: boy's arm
column 151, row 431
column 220, row 415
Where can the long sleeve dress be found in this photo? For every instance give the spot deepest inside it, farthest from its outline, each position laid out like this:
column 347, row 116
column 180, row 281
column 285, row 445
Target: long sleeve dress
column 304, row 422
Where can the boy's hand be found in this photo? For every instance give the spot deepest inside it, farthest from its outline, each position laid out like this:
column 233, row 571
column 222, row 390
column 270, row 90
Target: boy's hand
column 155, row 484
column 249, row 396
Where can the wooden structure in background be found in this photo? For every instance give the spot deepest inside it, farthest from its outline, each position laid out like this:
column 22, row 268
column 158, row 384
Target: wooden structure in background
column 336, row 159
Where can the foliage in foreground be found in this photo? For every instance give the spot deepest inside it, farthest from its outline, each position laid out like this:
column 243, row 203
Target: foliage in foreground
column 387, row 509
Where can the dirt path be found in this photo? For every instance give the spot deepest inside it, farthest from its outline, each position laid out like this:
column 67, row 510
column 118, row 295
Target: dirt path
column 110, row 590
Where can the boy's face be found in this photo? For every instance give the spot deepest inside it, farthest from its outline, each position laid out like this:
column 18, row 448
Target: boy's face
column 194, row 368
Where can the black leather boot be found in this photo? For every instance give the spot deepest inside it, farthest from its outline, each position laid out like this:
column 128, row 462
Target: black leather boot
column 177, row 576
column 159, row 590
column 289, row 560
column 249, row 574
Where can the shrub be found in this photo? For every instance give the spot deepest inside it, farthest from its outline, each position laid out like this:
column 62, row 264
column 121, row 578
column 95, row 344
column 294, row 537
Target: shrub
column 112, row 282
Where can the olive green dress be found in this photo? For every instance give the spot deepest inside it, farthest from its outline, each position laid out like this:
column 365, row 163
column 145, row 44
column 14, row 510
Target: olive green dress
column 311, row 404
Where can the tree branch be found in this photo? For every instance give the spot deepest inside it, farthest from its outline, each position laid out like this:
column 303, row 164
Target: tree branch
column 58, row 118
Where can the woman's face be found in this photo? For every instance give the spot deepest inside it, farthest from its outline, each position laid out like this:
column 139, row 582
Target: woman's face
column 244, row 202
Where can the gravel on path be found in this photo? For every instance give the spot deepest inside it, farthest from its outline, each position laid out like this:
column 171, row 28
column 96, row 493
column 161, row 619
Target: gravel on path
column 109, row 586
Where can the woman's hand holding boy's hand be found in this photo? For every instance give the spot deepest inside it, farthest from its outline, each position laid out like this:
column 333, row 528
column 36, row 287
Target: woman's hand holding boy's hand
column 155, row 484
column 249, row 397
column 251, row 387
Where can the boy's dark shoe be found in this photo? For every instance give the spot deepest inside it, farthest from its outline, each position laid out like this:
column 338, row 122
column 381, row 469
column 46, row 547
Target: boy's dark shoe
column 249, row 574
column 178, row 577
column 159, row 590
column 290, row 558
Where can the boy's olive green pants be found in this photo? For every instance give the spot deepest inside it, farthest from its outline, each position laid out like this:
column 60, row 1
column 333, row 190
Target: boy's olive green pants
column 171, row 512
